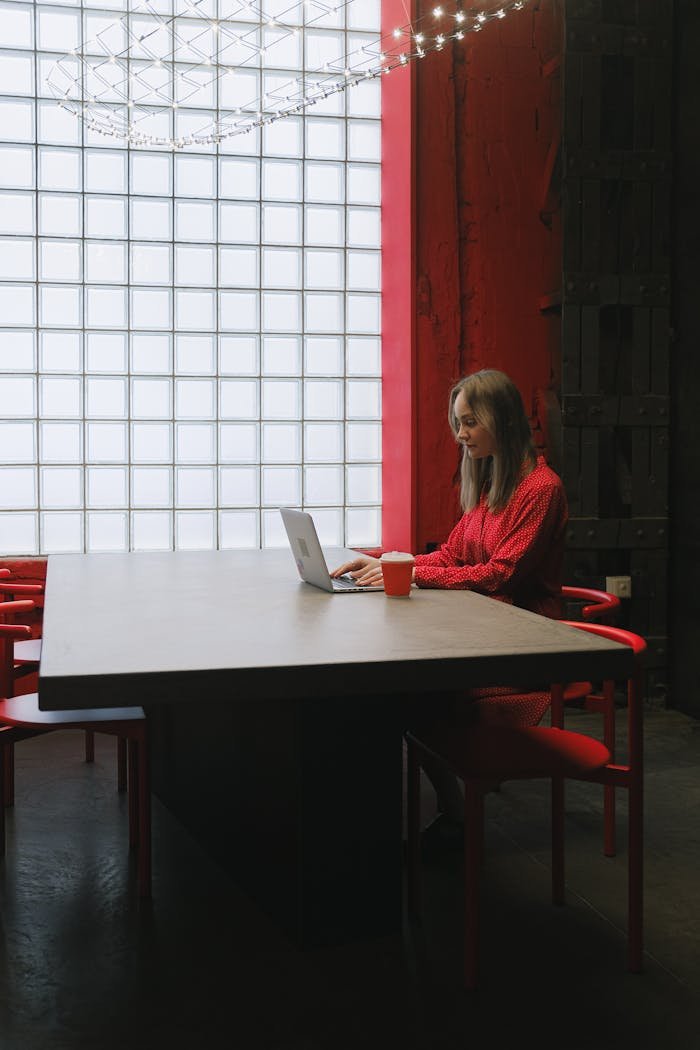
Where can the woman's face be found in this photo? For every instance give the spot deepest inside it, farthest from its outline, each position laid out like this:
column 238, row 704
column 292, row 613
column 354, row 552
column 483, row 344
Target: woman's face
column 476, row 438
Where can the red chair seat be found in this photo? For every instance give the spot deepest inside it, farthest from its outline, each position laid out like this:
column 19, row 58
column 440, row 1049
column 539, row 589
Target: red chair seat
column 24, row 712
column 577, row 691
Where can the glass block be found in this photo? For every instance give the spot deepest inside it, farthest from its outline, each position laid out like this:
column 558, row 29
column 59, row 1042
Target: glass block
column 16, row 166
column 281, row 399
column 281, row 355
column 17, row 304
column 281, row 267
column 17, row 488
column 195, row 310
column 364, row 230
column 238, row 442
column 281, row 311
column 283, row 49
column 283, row 138
column 107, row 486
column 323, row 46
column 60, row 442
column 60, row 260
column 238, row 530
column 242, row 145
column 106, row 531
column 151, row 220
column 195, row 530
column 16, row 351
column 150, row 353
column 363, row 313
column 60, row 306
column 364, row 441
column 106, row 307
column 151, row 264
column 105, row 217
column 150, row 308
column 281, row 486
column 240, row 86
column 323, row 399
column 56, row 126
column 273, row 532
column 364, row 184
column 364, row 14
column 364, row 271
column 329, row 526
column 363, row 527
column 16, row 73
column 281, row 442
column 325, row 139
column 282, row 180
column 238, row 486
column 195, row 353
column 62, row 487
column 60, row 169
column 17, row 442
column 195, row 220
column 238, row 311
column 238, row 177
column 106, row 352
column 325, row 226
column 17, row 213
column 151, row 531
column 105, row 172
column 60, row 215
column 238, row 267
column 238, row 398
column 105, row 396
column 59, row 352
column 323, row 356
column 281, row 223
column 105, row 262
column 151, row 173
column 323, row 485
column 363, row 484
column 195, row 398
column 323, row 312
column 17, row 120
column 364, row 399
column 58, row 30
column 238, row 355
column 151, row 442
column 18, row 533
column 324, row 269
column 16, row 26
column 238, row 223
column 364, row 140
column 195, row 265
column 16, row 259
column 195, row 442
column 106, row 442
column 365, row 100
column 363, row 356
column 195, row 176
column 61, row 533
column 195, row 486
column 323, row 442
column 151, row 486
column 151, row 398
column 324, row 182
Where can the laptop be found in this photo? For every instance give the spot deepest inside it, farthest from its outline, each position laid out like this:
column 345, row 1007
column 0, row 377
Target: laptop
column 309, row 557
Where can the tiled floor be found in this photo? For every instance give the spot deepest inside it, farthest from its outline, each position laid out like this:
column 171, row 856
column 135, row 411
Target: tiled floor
column 83, row 964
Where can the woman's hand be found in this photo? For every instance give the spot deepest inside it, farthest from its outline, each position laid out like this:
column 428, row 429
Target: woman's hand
column 364, row 569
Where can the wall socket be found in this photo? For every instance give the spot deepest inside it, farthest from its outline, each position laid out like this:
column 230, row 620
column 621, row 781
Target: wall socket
column 619, row 585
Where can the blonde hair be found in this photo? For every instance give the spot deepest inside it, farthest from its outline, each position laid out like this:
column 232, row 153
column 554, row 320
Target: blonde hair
column 496, row 404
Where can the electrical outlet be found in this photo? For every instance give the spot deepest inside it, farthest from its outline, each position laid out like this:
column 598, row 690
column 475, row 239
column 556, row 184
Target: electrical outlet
column 619, row 585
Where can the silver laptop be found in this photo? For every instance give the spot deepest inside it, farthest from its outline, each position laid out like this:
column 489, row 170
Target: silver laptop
column 309, row 557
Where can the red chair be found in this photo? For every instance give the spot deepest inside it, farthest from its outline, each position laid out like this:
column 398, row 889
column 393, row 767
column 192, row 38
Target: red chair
column 596, row 607
column 480, row 754
column 21, row 718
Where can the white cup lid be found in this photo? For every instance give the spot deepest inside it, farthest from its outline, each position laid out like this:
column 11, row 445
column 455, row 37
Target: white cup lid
column 396, row 556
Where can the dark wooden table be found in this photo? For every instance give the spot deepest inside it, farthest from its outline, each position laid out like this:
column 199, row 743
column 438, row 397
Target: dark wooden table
column 277, row 709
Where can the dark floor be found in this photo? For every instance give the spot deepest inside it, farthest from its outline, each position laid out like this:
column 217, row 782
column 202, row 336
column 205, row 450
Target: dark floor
column 85, row 965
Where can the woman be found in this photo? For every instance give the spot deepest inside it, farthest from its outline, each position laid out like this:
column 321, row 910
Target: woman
column 509, row 544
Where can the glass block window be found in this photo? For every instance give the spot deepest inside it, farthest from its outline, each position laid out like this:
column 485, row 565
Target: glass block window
column 190, row 339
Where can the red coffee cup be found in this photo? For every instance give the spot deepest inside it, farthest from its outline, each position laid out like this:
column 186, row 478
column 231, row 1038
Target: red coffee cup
column 397, row 570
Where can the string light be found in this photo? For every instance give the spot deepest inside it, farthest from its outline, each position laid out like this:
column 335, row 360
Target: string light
column 132, row 117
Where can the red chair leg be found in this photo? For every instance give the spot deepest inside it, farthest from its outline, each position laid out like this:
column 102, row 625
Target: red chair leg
column 121, row 763
column 133, row 794
column 609, row 843
column 635, row 861
column 89, row 745
column 413, row 872
column 8, row 775
column 144, row 816
column 473, row 840
column 558, row 894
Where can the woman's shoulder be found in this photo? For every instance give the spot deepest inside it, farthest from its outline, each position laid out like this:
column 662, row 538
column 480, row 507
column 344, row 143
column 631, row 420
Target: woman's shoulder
column 542, row 478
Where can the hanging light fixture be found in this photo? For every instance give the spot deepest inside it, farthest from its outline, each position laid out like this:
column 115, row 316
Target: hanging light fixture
column 149, row 79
